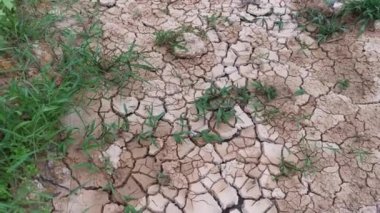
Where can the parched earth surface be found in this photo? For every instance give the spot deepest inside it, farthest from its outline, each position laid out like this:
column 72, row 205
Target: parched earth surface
column 331, row 133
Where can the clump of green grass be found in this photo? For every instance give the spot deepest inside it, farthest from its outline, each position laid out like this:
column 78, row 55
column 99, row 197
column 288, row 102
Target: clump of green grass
column 269, row 92
column 151, row 122
column 280, row 24
column 208, row 137
column 222, row 102
column 361, row 154
column 31, row 108
column 131, row 209
column 169, row 38
column 270, row 113
column 163, row 178
column 214, row 20
column 343, row 84
column 180, row 135
column 365, row 11
column 173, row 39
column 300, row 91
column 327, row 25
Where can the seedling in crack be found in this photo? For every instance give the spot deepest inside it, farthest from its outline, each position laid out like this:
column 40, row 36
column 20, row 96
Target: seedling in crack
column 224, row 114
column 343, row 84
column 222, row 102
column 300, row 91
column 327, row 25
column 169, row 38
column 365, row 11
column 148, row 136
column 360, row 154
column 89, row 166
column 151, row 122
column 270, row 113
column 214, row 20
column 131, row 209
column 181, row 135
column 280, row 24
column 208, row 137
column 163, row 179
column 299, row 119
column 268, row 91
column 287, row 169
column 243, row 95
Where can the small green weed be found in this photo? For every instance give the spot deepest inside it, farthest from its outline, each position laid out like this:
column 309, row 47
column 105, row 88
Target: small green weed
column 151, row 122
column 163, row 179
column 327, row 25
column 169, row 38
column 288, row 169
column 300, row 91
column 257, row 105
column 214, row 20
column 365, row 11
column 131, row 209
column 208, row 137
column 299, row 119
column 270, row 113
column 222, row 102
column 343, row 84
column 360, row 154
column 224, row 114
column 268, row 91
column 181, row 135
column 280, row 24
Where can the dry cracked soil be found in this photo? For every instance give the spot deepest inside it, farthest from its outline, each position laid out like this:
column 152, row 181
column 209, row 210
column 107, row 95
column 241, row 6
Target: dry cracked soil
column 318, row 151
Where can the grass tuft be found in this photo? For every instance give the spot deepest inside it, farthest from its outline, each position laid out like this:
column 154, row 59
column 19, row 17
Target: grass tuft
column 31, row 107
column 169, row 38
column 269, row 92
column 327, row 25
column 365, row 11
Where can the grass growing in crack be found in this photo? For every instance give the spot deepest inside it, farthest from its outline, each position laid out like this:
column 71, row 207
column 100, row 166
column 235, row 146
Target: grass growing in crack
column 214, row 20
column 270, row 113
column 91, row 142
column 208, row 137
column 299, row 119
column 288, row 169
column 224, row 114
column 181, row 135
column 327, row 25
column 131, row 209
column 173, row 39
column 300, row 91
column 222, row 102
column 343, row 84
column 269, row 92
column 163, row 178
column 168, row 38
column 360, row 154
column 31, row 108
column 365, row 11
column 151, row 122
column 280, row 24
